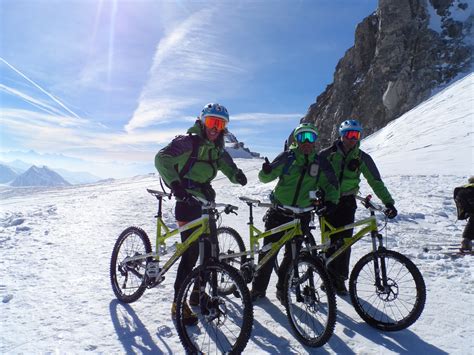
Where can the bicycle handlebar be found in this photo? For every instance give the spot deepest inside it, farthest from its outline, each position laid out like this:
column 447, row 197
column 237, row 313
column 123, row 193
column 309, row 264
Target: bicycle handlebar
column 211, row 204
column 367, row 203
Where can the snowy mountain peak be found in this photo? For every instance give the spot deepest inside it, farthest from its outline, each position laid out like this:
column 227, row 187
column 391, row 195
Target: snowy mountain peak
column 6, row 174
column 36, row 176
column 237, row 149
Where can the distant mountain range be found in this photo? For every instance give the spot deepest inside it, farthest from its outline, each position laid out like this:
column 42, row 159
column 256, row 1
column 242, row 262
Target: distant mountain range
column 19, row 173
column 7, row 174
column 35, row 176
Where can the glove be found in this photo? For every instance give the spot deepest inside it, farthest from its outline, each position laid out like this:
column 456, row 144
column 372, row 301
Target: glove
column 267, row 167
column 241, row 178
column 179, row 191
column 330, row 208
column 391, row 211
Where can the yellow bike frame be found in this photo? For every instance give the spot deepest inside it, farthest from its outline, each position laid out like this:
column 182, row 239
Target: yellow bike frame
column 328, row 230
column 291, row 230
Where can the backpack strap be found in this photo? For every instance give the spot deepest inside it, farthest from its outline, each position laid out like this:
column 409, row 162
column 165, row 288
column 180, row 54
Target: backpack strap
column 192, row 158
column 289, row 160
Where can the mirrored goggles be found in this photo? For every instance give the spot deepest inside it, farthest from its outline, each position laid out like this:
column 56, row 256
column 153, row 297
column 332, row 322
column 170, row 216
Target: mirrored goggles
column 215, row 122
column 306, row 136
column 352, row 135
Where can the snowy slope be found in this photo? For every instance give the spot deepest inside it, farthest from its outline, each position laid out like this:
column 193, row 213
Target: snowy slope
column 55, row 245
column 436, row 137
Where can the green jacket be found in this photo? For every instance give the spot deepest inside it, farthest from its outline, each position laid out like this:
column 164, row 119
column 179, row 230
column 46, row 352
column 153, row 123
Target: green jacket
column 297, row 176
column 348, row 168
column 211, row 157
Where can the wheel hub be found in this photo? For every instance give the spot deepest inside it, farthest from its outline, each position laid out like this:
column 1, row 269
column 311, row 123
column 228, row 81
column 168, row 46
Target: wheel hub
column 389, row 292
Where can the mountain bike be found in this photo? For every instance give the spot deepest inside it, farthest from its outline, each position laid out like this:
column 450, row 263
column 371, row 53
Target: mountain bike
column 308, row 296
column 386, row 288
column 224, row 321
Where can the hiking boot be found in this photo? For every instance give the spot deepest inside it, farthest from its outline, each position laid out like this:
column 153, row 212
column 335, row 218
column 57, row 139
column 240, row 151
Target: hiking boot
column 254, row 295
column 194, row 298
column 189, row 317
column 466, row 245
column 340, row 287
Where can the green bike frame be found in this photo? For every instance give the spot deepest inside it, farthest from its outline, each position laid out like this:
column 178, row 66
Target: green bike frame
column 291, row 230
column 163, row 233
column 327, row 230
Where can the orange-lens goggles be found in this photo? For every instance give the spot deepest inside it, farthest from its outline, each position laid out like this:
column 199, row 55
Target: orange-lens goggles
column 352, row 135
column 215, row 122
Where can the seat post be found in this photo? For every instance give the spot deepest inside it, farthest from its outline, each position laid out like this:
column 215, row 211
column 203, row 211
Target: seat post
column 160, row 202
column 251, row 213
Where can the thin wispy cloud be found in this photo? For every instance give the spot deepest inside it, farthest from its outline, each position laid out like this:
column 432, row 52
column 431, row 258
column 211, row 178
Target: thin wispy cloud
column 43, row 106
column 45, row 132
column 258, row 118
column 51, row 96
column 189, row 68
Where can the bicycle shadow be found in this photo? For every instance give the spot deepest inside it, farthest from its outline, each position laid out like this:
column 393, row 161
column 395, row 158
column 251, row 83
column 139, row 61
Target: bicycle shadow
column 401, row 342
column 131, row 331
column 269, row 341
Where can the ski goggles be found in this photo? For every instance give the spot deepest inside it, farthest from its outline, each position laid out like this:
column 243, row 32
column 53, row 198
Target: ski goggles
column 352, row 135
column 306, row 136
column 215, row 122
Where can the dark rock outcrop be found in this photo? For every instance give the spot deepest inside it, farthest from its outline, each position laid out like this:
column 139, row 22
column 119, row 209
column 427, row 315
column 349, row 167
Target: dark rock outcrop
column 396, row 62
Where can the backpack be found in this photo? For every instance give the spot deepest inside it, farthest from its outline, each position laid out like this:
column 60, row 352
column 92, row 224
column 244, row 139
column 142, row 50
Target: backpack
column 464, row 199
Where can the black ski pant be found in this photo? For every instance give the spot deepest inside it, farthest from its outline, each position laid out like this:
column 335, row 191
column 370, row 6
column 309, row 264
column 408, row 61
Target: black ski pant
column 343, row 215
column 469, row 229
column 274, row 218
column 186, row 212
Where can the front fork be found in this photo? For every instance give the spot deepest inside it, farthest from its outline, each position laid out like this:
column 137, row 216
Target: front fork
column 380, row 268
column 295, row 251
column 203, row 277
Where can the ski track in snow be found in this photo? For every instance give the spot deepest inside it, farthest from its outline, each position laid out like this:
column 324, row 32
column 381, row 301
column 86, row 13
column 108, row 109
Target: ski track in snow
column 56, row 296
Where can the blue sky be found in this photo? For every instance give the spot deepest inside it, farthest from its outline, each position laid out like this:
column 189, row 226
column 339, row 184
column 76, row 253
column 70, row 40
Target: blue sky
column 110, row 82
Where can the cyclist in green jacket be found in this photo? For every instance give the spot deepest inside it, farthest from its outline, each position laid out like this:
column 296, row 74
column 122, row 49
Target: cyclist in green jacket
column 349, row 162
column 188, row 165
column 299, row 170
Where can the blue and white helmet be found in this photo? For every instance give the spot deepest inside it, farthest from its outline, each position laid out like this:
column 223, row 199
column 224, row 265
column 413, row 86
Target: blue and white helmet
column 349, row 125
column 215, row 110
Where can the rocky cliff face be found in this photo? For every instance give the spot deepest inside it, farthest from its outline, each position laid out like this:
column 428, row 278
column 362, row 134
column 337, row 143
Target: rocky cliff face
column 402, row 52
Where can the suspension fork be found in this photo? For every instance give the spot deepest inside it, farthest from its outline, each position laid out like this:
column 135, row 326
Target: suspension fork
column 295, row 252
column 380, row 267
column 203, row 277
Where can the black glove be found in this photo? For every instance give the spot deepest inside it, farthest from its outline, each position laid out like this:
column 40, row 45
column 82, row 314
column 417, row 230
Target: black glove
column 179, row 191
column 330, row 208
column 267, row 167
column 391, row 211
column 241, row 178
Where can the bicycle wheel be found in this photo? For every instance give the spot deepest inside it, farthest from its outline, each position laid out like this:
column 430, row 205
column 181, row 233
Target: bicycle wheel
column 310, row 301
column 392, row 307
column 128, row 279
column 224, row 322
column 230, row 242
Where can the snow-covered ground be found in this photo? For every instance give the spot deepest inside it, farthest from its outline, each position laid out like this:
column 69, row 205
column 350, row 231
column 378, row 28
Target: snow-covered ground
column 55, row 247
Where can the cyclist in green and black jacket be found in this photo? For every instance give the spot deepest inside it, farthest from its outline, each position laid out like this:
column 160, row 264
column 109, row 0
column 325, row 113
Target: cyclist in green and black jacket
column 349, row 162
column 299, row 170
column 188, row 165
